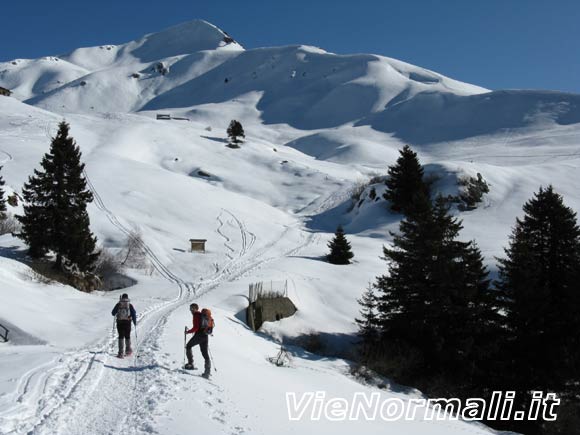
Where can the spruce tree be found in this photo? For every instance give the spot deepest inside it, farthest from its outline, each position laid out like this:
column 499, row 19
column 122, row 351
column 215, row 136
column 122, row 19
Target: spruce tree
column 405, row 181
column 340, row 250
column 235, row 130
column 433, row 294
column 2, row 199
column 540, row 277
column 55, row 211
column 368, row 323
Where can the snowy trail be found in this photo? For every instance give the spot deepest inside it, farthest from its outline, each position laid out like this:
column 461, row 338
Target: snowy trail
column 85, row 390
column 157, row 264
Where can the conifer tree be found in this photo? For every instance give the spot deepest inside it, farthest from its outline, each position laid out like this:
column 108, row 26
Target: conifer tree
column 433, row 294
column 2, row 199
column 235, row 131
column 539, row 277
column 368, row 323
column 405, row 181
column 340, row 250
column 55, row 211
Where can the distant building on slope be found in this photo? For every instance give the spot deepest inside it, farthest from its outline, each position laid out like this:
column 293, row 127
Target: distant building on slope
column 197, row 245
column 5, row 92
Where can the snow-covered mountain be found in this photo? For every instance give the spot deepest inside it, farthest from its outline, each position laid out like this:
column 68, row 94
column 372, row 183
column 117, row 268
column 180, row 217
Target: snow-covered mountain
column 317, row 124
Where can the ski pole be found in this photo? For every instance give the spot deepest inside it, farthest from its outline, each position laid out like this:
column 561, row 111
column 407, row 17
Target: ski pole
column 113, row 334
column 136, row 342
column 211, row 357
column 184, row 345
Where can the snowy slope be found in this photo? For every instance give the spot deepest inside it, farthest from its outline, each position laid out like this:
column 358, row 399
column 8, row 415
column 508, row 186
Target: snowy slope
column 316, row 124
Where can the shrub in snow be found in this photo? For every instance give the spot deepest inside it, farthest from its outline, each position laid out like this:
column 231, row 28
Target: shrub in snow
column 473, row 190
column 356, row 191
column 35, row 276
column 282, row 359
column 107, row 265
column 161, row 68
column 133, row 254
column 9, row 225
column 13, row 200
column 340, row 250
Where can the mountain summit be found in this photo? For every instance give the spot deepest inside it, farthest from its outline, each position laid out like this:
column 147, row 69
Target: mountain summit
column 195, row 63
column 182, row 39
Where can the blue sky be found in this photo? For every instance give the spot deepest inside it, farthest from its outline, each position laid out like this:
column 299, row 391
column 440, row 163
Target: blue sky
column 497, row 44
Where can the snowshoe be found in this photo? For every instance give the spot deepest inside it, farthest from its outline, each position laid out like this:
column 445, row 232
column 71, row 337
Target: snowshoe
column 189, row 366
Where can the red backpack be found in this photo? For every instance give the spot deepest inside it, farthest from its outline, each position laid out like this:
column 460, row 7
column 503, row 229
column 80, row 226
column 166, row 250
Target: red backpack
column 207, row 323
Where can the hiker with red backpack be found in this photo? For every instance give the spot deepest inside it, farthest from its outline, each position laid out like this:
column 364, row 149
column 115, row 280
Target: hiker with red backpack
column 202, row 327
column 124, row 314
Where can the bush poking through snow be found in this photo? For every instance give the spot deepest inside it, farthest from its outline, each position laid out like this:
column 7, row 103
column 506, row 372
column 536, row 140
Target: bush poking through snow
column 107, row 265
column 282, row 359
column 35, row 276
column 13, row 200
column 161, row 68
column 133, row 254
column 356, row 191
column 473, row 190
column 358, row 188
column 9, row 225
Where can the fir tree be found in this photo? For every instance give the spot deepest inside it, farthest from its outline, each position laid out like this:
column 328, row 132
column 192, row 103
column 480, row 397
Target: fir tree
column 55, row 211
column 340, row 250
column 2, row 199
column 235, row 131
column 433, row 295
column 539, row 277
column 368, row 323
column 405, row 181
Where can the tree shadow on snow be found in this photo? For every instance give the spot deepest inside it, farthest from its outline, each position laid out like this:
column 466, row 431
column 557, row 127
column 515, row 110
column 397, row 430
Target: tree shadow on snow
column 308, row 257
column 215, row 139
column 14, row 253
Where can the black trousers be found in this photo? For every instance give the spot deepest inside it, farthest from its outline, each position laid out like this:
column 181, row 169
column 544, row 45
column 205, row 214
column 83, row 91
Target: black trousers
column 124, row 329
column 202, row 339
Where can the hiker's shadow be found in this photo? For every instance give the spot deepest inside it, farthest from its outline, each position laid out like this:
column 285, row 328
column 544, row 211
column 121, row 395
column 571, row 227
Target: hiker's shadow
column 138, row 368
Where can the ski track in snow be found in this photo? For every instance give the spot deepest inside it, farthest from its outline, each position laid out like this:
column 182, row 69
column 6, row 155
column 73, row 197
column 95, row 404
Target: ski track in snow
column 7, row 159
column 90, row 391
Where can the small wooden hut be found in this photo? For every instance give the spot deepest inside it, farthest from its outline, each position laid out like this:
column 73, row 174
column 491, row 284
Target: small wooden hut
column 197, row 245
